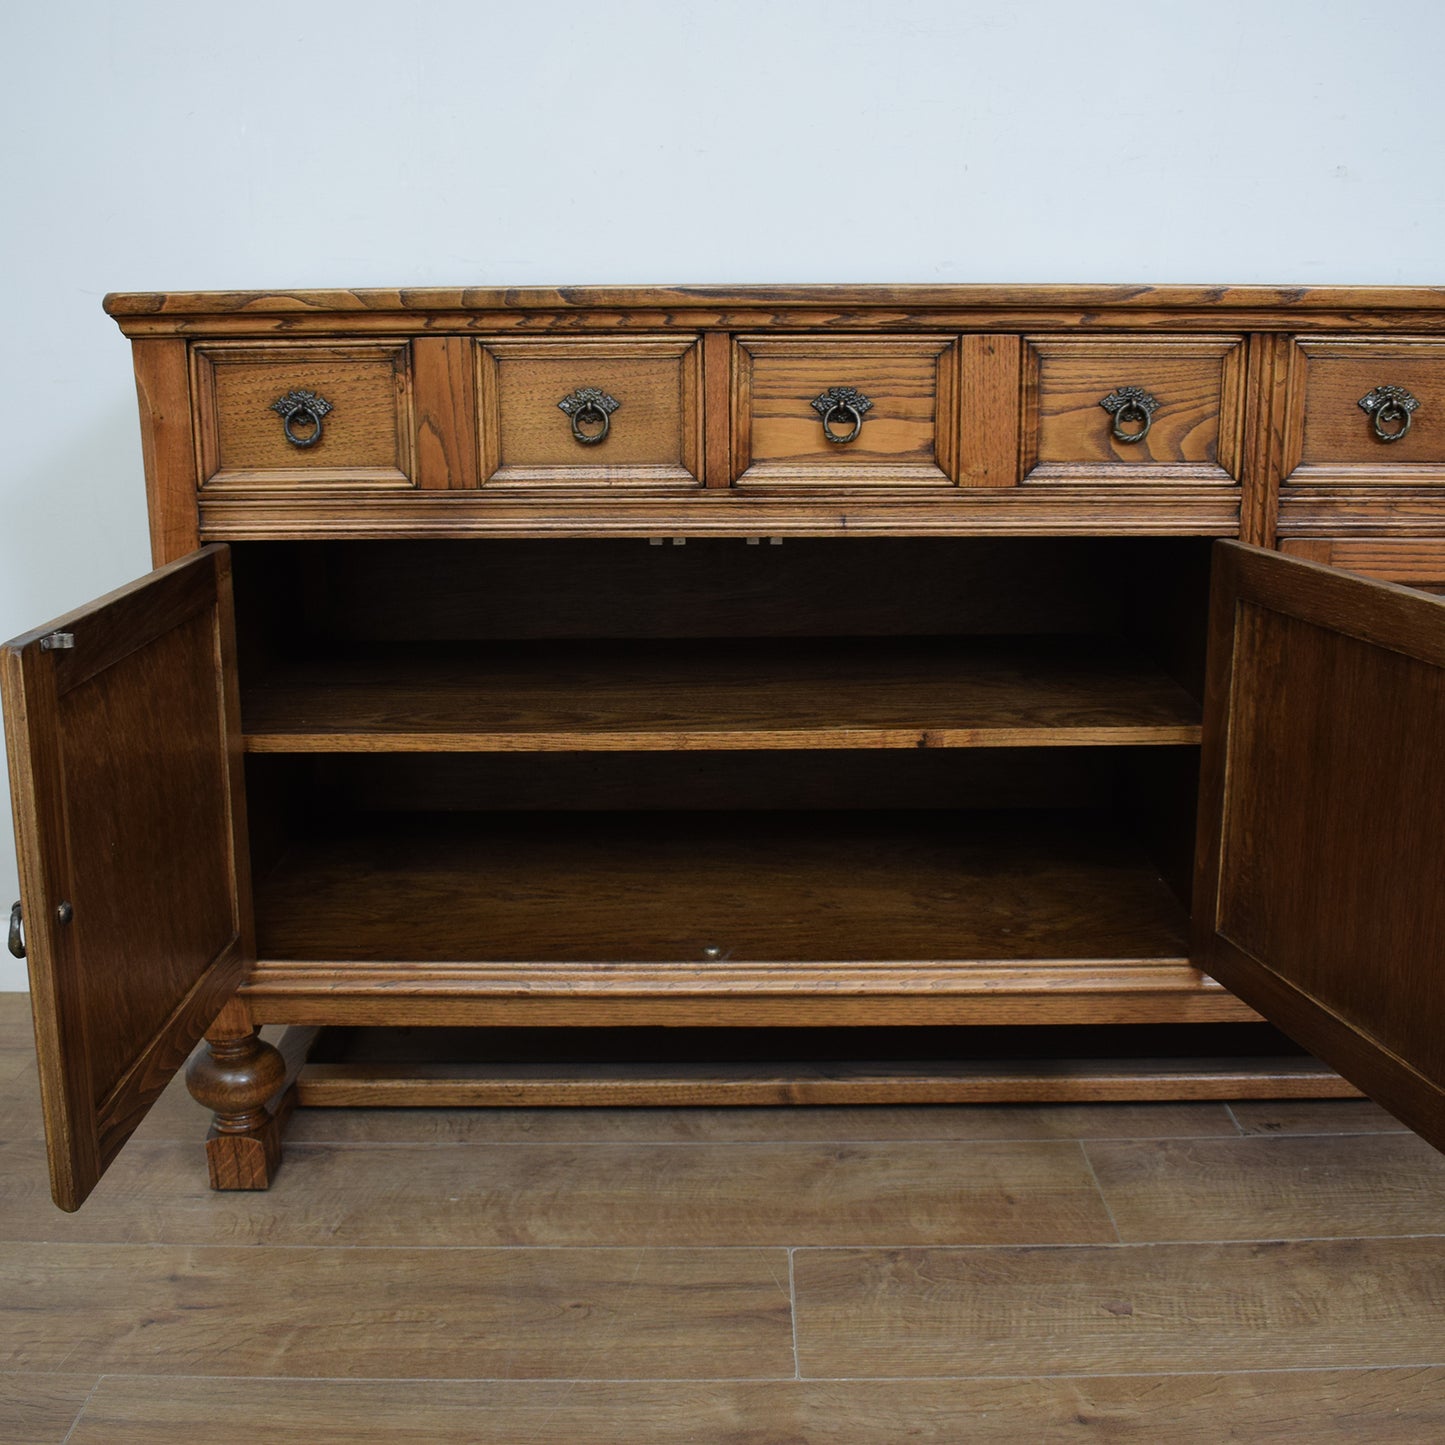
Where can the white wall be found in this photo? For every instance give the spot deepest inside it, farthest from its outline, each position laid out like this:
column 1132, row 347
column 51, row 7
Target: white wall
column 160, row 145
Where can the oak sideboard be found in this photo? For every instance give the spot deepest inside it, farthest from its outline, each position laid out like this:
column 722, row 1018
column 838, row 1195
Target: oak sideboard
column 768, row 658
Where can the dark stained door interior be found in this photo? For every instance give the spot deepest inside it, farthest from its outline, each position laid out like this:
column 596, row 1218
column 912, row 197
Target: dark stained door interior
column 1321, row 889
column 123, row 731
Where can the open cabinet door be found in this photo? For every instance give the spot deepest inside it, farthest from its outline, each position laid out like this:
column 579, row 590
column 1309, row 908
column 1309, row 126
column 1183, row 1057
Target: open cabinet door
column 1320, row 898
column 122, row 723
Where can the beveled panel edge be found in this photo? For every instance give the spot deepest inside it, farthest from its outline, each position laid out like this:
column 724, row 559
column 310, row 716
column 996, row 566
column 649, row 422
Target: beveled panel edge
column 942, row 509
column 205, row 416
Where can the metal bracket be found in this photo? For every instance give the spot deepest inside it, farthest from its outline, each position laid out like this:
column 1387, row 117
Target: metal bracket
column 57, row 642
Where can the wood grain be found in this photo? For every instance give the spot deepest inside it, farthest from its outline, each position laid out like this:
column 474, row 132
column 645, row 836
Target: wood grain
column 921, row 693
column 997, row 1122
column 367, row 440
column 1328, row 1407
column 1298, row 303
column 907, row 437
column 163, row 388
column 396, row 1313
column 1308, row 1117
column 443, row 396
column 1091, row 1310
column 785, row 1082
column 1361, row 1185
column 40, row 1409
column 654, row 437
column 795, row 888
column 602, row 1195
column 1195, row 433
column 125, row 771
column 1338, row 441
column 1412, row 561
column 990, row 403
column 1321, row 904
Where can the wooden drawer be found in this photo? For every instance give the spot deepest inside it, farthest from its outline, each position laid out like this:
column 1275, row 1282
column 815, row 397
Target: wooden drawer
column 364, row 437
column 1336, row 440
column 904, row 424
column 1083, row 423
column 643, row 427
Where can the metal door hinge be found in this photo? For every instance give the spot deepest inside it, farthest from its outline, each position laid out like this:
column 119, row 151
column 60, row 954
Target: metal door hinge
column 57, row 642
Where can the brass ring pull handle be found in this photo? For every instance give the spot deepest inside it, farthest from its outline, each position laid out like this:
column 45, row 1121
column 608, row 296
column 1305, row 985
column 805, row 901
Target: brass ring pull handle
column 305, row 407
column 1390, row 409
column 16, row 941
column 843, row 404
column 1130, row 406
column 592, row 407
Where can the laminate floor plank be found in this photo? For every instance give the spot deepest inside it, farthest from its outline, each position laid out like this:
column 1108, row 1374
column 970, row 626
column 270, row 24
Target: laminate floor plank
column 1324, row 1407
column 1110, row 1310
column 1299, row 1187
column 396, row 1313
column 1314, row 1116
column 40, row 1409
column 16, row 1031
column 579, row 1195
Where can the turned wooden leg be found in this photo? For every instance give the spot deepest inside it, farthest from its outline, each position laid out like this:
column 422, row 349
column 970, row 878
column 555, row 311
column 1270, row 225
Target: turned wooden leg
column 237, row 1074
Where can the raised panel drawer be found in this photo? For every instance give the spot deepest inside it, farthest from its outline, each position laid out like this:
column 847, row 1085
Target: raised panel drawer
column 361, row 390
column 894, row 421
column 1132, row 409
column 1339, row 441
column 623, row 411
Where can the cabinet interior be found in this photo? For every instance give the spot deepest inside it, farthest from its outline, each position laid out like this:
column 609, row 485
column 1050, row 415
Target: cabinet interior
column 830, row 751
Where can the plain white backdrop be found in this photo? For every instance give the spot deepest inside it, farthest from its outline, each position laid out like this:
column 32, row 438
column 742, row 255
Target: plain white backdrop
column 160, row 145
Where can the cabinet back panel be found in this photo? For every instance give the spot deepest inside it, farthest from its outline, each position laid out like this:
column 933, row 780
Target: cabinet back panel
column 464, row 782
column 292, row 593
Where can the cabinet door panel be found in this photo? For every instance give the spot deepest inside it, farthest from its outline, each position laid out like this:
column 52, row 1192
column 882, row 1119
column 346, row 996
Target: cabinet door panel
column 1321, row 890
column 129, row 815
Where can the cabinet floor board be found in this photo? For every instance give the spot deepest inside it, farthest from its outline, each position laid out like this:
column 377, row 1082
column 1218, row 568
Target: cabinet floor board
column 765, row 888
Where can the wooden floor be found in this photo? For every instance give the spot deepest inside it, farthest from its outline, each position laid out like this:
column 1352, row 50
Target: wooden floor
column 1170, row 1272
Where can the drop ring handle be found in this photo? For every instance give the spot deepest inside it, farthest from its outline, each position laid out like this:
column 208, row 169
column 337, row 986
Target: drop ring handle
column 1130, row 406
column 16, row 941
column 1391, row 409
column 843, row 404
column 306, row 407
column 592, row 406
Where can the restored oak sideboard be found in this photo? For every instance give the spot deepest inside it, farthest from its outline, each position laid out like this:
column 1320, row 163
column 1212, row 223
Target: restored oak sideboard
column 769, row 658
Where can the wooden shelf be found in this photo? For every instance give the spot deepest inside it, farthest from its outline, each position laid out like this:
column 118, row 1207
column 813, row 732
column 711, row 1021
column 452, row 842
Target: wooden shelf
column 452, row 1067
column 709, row 902
column 951, row 692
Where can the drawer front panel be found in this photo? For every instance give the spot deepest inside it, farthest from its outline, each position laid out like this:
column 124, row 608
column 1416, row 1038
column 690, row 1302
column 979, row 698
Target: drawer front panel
column 361, row 390
column 893, row 421
column 633, row 414
column 1124, row 409
column 1338, row 440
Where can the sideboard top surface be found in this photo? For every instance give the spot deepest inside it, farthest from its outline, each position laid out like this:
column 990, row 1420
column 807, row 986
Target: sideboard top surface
column 939, row 306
